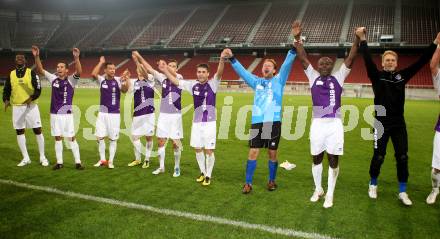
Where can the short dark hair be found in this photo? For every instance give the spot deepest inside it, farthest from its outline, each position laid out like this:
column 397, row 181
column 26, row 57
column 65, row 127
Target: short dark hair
column 108, row 63
column 203, row 65
column 173, row 60
column 63, row 62
column 20, row 53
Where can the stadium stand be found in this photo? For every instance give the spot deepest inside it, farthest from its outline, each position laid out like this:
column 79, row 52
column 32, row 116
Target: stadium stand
column 420, row 21
column 196, row 27
column 236, row 24
column 162, row 28
column 379, row 17
column 322, row 22
column 276, row 27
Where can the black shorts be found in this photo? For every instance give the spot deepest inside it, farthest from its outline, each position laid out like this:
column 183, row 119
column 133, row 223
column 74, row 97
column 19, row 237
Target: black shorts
column 265, row 135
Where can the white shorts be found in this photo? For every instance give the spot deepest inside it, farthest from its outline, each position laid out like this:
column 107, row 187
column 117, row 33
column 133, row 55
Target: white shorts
column 169, row 126
column 108, row 125
column 203, row 135
column 62, row 125
column 436, row 151
column 26, row 116
column 143, row 125
column 327, row 134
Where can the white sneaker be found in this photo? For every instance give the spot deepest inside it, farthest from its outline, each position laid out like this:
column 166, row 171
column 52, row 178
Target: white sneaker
column 111, row 166
column 159, row 170
column 101, row 163
column 176, row 172
column 372, row 191
column 405, row 199
column 432, row 196
column 24, row 162
column 317, row 194
column 44, row 162
column 328, row 203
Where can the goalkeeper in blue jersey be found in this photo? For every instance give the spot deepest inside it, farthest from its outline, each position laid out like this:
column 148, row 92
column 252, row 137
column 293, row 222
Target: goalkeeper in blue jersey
column 266, row 113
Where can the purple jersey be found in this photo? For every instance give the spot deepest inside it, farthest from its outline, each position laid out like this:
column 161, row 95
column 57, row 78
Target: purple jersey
column 204, row 98
column 326, row 92
column 62, row 93
column 143, row 94
column 436, row 83
column 171, row 94
column 110, row 95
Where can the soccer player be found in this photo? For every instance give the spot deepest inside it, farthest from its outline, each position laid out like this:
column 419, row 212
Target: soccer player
column 22, row 89
column 61, row 118
column 389, row 92
column 435, row 173
column 143, row 115
column 266, row 113
column 204, row 130
column 326, row 130
column 108, row 121
column 169, row 123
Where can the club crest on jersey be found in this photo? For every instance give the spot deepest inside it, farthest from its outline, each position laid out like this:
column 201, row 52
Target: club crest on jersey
column 398, row 77
column 332, row 86
column 260, row 87
column 319, row 82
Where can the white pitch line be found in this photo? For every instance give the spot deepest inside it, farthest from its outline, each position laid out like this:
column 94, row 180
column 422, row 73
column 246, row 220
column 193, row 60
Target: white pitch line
column 170, row 212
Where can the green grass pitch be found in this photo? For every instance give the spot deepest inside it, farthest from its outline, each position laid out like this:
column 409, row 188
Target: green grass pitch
column 28, row 213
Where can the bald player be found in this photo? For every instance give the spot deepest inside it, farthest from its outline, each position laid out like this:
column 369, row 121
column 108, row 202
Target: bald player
column 326, row 130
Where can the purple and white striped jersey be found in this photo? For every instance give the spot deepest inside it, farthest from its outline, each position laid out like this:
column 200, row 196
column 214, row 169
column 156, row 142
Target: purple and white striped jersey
column 62, row 93
column 171, row 94
column 436, row 83
column 110, row 95
column 204, row 98
column 143, row 95
column 326, row 91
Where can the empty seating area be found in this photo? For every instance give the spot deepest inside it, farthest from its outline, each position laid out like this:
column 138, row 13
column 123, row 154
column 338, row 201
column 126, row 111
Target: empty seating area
column 420, row 21
column 236, row 24
column 322, row 22
column 196, row 27
column 377, row 17
column 69, row 33
column 98, row 35
column 277, row 25
column 162, row 28
column 26, row 34
column 131, row 28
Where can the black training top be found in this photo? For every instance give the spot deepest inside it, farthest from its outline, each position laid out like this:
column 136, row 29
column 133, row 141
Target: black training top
column 389, row 87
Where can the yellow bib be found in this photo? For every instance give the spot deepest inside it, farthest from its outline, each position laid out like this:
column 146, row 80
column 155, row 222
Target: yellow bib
column 21, row 88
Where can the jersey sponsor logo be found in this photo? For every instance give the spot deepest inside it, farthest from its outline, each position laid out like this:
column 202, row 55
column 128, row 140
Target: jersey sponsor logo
column 319, row 82
column 260, row 87
column 196, row 93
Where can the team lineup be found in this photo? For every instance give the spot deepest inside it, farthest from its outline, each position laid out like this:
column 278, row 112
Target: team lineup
column 23, row 88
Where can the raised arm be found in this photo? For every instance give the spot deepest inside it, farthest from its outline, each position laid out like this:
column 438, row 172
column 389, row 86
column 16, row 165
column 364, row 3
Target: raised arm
column 410, row 71
column 142, row 61
column 125, row 78
column 221, row 64
column 353, row 51
column 435, row 61
column 300, row 51
column 139, row 67
column 248, row 77
column 164, row 68
column 38, row 65
column 372, row 70
column 78, row 67
column 95, row 72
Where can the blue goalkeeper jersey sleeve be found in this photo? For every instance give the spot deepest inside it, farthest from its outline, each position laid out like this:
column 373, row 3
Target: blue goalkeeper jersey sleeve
column 268, row 92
